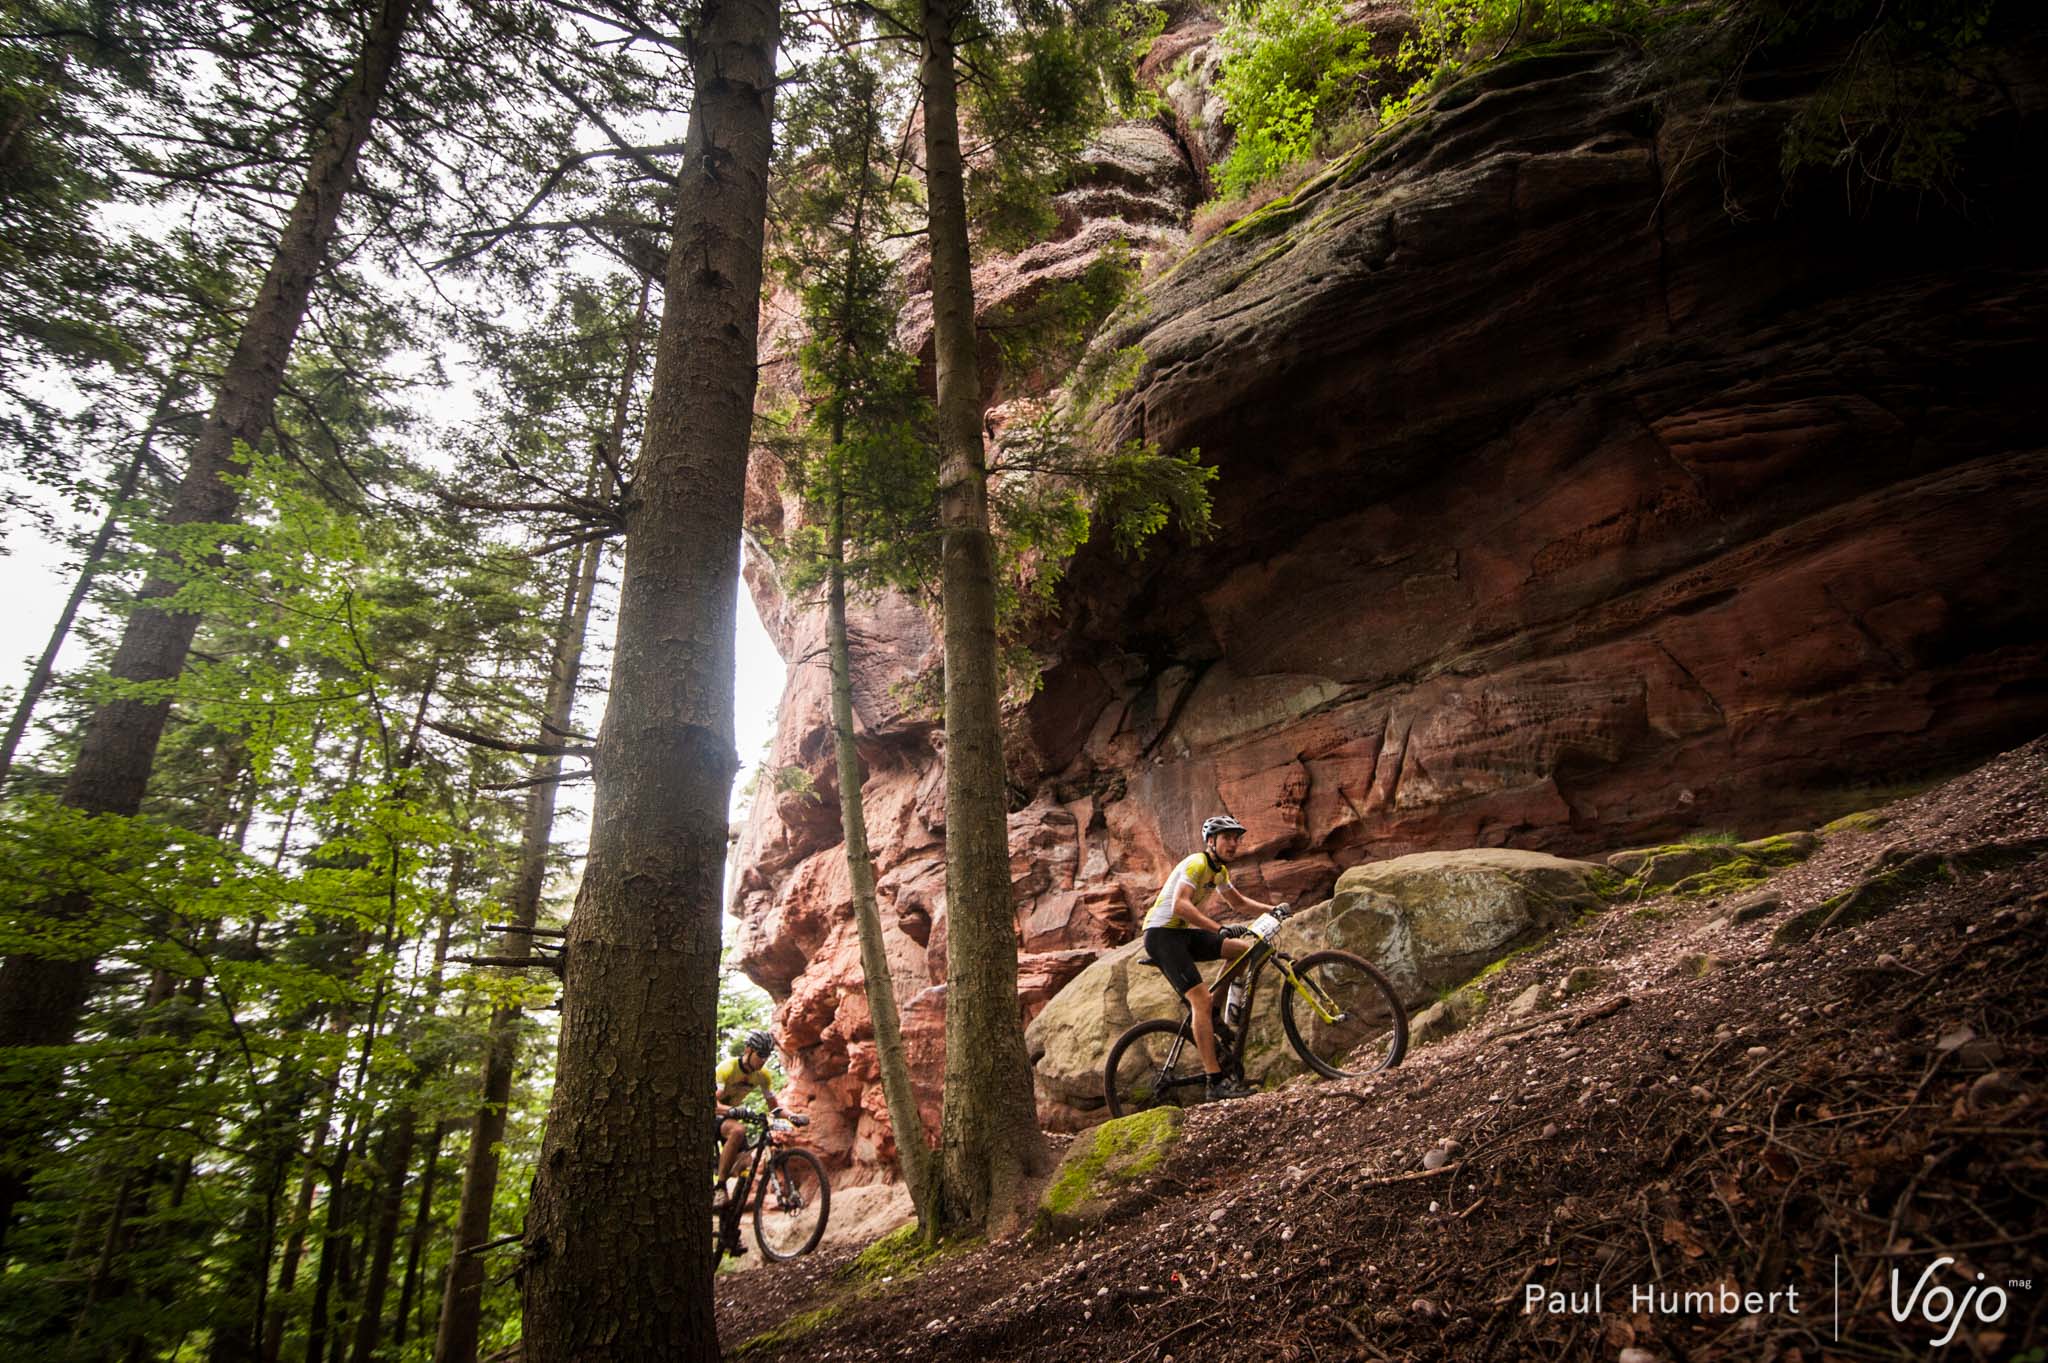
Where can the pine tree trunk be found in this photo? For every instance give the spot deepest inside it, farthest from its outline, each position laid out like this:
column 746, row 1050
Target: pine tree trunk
column 396, row 1160
column 618, row 1262
column 462, row 1305
column 302, row 1215
column 40, row 998
column 989, row 1137
column 423, row 1217
column 913, row 1153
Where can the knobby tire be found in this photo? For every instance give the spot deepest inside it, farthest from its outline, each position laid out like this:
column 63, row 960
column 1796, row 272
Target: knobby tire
column 804, row 1169
column 1362, row 988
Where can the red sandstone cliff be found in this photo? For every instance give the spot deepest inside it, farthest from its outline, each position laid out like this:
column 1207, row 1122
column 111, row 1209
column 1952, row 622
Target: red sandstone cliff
column 1580, row 484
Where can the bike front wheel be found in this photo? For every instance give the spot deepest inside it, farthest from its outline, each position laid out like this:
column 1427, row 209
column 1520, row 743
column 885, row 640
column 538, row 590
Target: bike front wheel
column 1367, row 1028
column 1154, row 1064
column 791, row 1207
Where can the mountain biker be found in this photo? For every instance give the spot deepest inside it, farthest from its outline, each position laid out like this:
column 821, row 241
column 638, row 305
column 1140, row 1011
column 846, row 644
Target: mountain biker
column 1178, row 933
column 736, row 1077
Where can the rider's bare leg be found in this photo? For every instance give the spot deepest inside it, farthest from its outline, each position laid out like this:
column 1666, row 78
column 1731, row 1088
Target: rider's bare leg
column 735, row 1134
column 1198, row 1000
column 1205, row 1032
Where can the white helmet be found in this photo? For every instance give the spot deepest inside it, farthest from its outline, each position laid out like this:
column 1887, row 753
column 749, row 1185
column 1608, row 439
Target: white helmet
column 1219, row 823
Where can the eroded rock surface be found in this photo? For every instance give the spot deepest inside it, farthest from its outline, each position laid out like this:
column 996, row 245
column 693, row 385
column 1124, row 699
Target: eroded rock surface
column 1581, row 485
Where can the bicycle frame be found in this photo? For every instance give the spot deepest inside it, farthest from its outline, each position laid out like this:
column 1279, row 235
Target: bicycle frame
column 1248, row 969
column 1252, row 962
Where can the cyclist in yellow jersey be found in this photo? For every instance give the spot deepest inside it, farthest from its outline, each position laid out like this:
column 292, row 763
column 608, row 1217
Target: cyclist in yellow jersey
column 1179, row 932
column 737, row 1077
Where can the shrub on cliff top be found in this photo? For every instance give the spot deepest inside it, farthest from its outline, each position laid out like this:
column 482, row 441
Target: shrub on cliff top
column 1291, row 71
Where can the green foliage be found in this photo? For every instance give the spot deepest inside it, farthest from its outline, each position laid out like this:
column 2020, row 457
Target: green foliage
column 1293, row 68
column 1891, row 115
column 1040, row 85
column 234, row 987
column 742, row 1007
column 1450, row 35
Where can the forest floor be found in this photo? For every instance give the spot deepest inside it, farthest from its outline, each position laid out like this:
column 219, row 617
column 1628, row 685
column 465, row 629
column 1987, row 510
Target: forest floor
column 1834, row 1117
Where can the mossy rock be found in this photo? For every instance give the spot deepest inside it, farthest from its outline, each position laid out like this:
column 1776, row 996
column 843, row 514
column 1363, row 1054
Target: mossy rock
column 1862, row 821
column 1452, row 1013
column 1900, row 874
column 1781, row 849
column 1094, row 1177
column 1705, row 869
column 1880, row 893
column 791, row 1331
column 902, row 1253
column 1433, row 920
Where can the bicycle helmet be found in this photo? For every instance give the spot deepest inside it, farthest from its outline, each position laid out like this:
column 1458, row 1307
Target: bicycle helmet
column 761, row 1043
column 1219, row 823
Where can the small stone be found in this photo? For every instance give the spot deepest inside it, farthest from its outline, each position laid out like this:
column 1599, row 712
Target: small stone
column 1218, row 1215
column 1757, row 906
column 1635, row 1355
column 1287, row 1235
column 1584, row 978
column 1437, row 1158
column 1435, row 1206
column 1995, row 1089
column 1422, row 1306
column 1550, row 1130
column 1757, row 1052
column 1956, row 1039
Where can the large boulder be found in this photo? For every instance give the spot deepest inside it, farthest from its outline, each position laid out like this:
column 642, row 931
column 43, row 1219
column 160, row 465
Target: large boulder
column 1432, row 920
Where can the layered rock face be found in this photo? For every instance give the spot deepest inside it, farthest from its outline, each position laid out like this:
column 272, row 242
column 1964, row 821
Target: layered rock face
column 1581, row 484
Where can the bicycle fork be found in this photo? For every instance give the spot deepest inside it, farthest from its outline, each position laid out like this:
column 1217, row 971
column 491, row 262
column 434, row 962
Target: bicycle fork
column 1325, row 1006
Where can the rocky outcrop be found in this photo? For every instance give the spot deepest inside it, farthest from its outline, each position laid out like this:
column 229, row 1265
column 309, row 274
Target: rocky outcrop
column 1581, row 484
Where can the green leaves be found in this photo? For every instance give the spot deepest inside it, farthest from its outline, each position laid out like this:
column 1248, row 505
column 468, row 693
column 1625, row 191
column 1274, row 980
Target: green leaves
column 1293, row 67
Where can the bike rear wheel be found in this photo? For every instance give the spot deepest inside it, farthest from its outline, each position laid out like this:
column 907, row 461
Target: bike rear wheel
column 792, row 1204
column 1370, row 1032
column 1154, row 1064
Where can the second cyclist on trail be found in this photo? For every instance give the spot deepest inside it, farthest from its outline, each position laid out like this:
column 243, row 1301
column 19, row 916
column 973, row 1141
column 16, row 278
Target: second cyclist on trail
column 1180, row 932
column 739, row 1076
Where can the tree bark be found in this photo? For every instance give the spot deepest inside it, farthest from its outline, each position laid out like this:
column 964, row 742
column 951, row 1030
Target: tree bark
column 618, row 1264
column 913, row 1153
column 396, row 1159
column 462, row 1304
column 423, row 1216
column 990, row 1143
column 40, row 998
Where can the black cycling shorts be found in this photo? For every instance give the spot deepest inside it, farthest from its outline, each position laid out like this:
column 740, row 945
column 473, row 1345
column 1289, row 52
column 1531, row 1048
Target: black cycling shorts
column 1175, row 951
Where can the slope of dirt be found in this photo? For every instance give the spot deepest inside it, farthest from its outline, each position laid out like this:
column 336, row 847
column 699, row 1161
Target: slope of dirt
column 1827, row 1121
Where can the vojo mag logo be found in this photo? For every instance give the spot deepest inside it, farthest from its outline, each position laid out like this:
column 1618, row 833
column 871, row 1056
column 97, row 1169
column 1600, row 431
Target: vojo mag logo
column 1939, row 1307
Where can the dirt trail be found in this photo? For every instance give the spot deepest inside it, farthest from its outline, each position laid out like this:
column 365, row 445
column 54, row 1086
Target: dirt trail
column 1724, row 1115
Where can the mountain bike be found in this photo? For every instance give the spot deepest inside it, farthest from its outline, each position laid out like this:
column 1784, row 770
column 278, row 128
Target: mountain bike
column 790, row 1195
column 1340, row 1014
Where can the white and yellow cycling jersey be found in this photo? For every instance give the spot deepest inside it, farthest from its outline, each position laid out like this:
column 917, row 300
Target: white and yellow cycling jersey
column 1197, row 871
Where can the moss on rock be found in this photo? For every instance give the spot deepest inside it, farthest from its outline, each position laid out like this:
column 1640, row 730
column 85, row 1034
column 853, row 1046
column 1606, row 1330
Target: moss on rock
column 1862, row 821
column 902, row 1253
column 1117, row 1152
column 790, row 1331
